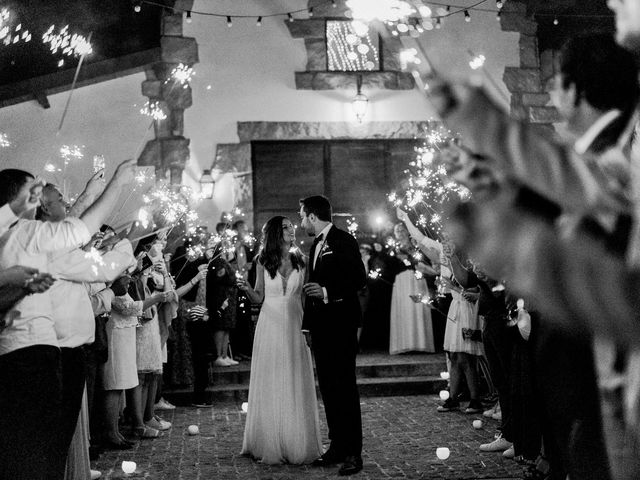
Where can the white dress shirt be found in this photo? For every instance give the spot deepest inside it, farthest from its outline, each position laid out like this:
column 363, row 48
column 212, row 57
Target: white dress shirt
column 319, row 247
column 72, row 310
column 7, row 218
column 27, row 243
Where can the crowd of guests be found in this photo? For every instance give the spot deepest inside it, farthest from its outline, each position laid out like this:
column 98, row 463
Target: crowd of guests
column 87, row 313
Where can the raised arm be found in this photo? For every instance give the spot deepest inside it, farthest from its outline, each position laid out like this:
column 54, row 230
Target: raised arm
column 94, row 216
column 95, row 186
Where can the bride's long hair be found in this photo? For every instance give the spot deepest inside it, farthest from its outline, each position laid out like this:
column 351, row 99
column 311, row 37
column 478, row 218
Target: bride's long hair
column 272, row 245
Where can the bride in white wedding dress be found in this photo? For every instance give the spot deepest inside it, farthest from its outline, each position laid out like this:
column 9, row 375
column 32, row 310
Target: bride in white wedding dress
column 282, row 417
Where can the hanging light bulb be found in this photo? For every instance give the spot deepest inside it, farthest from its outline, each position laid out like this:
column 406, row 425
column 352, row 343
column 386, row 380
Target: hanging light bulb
column 229, row 22
column 499, row 4
column 498, row 15
column 311, row 11
column 438, row 23
column 334, row 4
column 467, row 17
column 188, row 16
column 259, row 22
column 555, row 21
column 137, row 6
column 290, row 17
column 360, row 102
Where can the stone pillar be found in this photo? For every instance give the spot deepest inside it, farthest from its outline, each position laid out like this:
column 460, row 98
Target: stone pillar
column 528, row 81
column 168, row 152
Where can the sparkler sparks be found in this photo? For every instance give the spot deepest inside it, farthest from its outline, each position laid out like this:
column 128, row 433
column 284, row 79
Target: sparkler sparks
column 181, row 75
column 71, row 152
column 154, row 110
column 70, row 45
column 4, row 140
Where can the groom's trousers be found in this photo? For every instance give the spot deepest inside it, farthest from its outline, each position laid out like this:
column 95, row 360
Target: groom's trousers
column 335, row 354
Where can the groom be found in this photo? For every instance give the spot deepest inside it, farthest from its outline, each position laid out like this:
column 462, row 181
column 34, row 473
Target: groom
column 331, row 320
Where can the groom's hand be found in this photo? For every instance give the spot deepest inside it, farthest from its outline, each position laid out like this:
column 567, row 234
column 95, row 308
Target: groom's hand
column 313, row 290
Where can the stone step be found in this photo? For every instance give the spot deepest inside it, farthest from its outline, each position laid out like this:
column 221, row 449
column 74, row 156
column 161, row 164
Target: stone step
column 368, row 387
column 393, row 367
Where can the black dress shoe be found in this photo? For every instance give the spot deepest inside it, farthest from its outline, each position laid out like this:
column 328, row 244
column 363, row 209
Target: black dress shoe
column 352, row 465
column 328, row 458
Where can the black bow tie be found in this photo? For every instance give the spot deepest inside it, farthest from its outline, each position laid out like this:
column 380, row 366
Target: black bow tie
column 318, row 239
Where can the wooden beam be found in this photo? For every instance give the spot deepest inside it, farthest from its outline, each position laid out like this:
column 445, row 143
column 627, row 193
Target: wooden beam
column 90, row 74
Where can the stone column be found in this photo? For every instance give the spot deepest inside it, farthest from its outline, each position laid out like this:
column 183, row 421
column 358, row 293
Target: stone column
column 527, row 82
column 168, row 152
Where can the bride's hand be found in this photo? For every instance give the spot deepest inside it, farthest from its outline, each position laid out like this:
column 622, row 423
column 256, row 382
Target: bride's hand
column 242, row 284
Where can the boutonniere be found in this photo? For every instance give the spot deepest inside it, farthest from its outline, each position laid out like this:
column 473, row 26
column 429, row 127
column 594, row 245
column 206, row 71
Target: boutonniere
column 325, row 250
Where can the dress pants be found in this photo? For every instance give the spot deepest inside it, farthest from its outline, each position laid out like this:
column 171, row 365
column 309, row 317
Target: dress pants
column 566, row 385
column 497, row 348
column 73, row 368
column 335, row 355
column 30, row 396
column 202, row 347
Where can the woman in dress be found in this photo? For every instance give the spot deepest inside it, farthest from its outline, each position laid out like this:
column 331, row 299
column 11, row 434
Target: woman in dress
column 282, row 418
column 410, row 322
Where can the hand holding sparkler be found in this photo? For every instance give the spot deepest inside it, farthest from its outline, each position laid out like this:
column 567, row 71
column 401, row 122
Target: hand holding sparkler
column 23, row 206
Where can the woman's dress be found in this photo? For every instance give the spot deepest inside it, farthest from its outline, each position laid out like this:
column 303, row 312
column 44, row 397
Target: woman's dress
column 282, row 417
column 411, row 328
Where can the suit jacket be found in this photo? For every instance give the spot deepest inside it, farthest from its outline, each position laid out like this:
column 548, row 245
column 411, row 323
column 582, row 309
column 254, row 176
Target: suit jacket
column 340, row 270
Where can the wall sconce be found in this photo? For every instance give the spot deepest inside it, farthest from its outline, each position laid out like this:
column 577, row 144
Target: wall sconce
column 360, row 102
column 206, row 184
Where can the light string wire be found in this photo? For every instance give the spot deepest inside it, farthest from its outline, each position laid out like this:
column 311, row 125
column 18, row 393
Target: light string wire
column 459, row 9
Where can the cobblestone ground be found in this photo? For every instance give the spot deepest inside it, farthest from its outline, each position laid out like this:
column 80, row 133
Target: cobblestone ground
column 401, row 435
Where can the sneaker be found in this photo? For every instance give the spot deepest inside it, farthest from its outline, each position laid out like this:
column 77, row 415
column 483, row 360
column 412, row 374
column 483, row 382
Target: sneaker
column 158, row 424
column 474, row 407
column 95, row 474
column 164, row 405
column 509, row 452
column 489, row 413
column 448, row 406
column 231, row 361
column 497, row 415
column 500, row 444
column 221, row 362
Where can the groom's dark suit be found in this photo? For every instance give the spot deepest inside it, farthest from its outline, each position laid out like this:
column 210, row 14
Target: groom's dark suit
column 333, row 326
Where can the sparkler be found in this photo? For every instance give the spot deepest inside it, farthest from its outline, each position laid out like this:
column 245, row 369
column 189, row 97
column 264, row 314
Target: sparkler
column 181, row 75
column 70, row 45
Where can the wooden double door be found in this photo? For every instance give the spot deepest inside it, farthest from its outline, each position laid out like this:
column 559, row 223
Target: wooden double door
column 356, row 175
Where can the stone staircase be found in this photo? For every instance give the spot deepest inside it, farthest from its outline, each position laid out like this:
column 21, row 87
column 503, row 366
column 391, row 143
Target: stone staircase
column 378, row 374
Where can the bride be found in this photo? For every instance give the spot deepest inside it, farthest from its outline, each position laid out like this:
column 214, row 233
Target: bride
column 282, row 417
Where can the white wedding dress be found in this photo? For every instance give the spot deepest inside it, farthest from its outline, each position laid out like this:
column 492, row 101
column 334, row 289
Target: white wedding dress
column 282, row 417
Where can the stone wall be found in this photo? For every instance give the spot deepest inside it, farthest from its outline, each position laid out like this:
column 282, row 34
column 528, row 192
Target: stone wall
column 528, row 82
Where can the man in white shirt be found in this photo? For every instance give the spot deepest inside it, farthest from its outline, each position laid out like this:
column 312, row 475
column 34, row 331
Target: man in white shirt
column 72, row 310
column 29, row 355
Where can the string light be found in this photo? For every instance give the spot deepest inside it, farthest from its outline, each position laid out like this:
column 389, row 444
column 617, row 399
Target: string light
column 334, row 4
column 555, row 21
column 259, row 22
column 137, row 6
column 188, row 16
column 229, row 22
column 438, row 23
column 311, row 11
column 290, row 17
column 467, row 16
column 499, row 4
column 498, row 15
